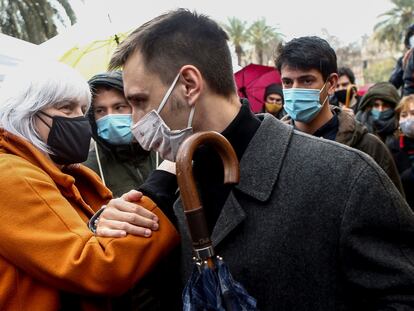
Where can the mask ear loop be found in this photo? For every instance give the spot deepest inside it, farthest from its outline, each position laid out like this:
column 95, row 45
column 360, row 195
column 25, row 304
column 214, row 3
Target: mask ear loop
column 190, row 118
column 327, row 95
column 167, row 95
column 44, row 120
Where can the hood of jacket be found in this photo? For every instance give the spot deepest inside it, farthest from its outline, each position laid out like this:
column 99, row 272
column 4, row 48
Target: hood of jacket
column 384, row 91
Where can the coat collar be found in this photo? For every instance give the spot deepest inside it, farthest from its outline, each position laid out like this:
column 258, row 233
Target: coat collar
column 263, row 158
column 64, row 179
column 259, row 171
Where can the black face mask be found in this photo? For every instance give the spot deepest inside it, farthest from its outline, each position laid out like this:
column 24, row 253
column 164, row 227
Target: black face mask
column 69, row 139
column 341, row 96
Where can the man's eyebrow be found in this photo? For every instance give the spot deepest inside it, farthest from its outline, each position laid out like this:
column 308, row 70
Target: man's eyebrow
column 306, row 77
column 136, row 95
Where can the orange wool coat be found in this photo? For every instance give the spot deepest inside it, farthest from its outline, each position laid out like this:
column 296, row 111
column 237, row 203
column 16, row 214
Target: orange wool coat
column 46, row 247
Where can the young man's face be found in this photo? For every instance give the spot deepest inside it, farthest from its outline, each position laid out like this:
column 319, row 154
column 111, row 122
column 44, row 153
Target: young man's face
column 109, row 101
column 381, row 105
column 305, row 79
column 343, row 82
column 144, row 90
column 274, row 99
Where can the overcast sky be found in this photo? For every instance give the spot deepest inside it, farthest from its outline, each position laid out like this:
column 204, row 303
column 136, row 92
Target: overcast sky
column 348, row 20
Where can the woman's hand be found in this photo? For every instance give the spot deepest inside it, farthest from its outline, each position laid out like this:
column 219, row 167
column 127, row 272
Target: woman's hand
column 124, row 216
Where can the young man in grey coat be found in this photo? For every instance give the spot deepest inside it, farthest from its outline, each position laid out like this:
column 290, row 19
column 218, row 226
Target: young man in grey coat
column 300, row 232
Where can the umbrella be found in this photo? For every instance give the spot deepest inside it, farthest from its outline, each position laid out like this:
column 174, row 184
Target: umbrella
column 252, row 81
column 364, row 88
column 349, row 90
column 94, row 57
column 210, row 287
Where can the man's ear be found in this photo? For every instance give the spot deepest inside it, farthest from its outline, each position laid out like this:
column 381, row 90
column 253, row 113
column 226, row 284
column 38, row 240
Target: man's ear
column 193, row 83
column 333, row 81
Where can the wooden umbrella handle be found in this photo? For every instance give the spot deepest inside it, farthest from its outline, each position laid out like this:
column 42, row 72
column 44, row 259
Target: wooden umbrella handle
column 188, row 190
column 348, row 94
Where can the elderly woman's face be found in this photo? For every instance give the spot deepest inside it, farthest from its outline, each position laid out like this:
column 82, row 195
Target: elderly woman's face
column 68, row 109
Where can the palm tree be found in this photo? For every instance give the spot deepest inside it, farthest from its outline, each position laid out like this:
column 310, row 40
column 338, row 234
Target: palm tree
column 237, row 31
column 34, row 20
column 260, row 35
column 393, row 28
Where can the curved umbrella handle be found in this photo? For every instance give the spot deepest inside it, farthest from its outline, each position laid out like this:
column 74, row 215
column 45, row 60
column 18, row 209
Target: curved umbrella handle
column 348, row 94
column 188, row 190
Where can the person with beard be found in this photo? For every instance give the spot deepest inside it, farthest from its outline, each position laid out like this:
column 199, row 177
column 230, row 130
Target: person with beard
column 273, row 97
column 376, row 110
column 402, row 147
column 119, row 160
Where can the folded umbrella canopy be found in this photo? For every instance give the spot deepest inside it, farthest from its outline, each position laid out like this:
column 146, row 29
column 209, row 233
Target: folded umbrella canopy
column 210, row 287
column 252, row 81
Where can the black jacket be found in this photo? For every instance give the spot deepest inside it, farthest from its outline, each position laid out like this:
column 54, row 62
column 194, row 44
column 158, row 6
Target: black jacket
column 408, row 77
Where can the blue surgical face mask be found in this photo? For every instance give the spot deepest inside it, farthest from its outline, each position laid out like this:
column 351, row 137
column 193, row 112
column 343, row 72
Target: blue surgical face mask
column 115, row 128
column 381, row 115
column 303, row 105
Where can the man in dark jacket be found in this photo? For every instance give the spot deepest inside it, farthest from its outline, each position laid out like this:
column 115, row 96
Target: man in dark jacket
column 119, row 160
column 345, row 85
column 326, row 121
column 408, row 76
column 299, row 231
column 398, row 73
column 123, row 165
column 273, row 100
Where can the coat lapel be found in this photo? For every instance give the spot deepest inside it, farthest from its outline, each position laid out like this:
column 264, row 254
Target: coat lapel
column 259, row 170
column 231, row 215
column 263, row 158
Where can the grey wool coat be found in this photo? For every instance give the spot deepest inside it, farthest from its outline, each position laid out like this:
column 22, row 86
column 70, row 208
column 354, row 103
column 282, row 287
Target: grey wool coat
column 313, row 225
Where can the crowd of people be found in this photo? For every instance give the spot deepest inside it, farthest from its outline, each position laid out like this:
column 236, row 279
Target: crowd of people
column 321, row 218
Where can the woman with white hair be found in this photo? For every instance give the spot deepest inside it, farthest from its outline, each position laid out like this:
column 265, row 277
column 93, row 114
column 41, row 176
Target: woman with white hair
column 49, row 258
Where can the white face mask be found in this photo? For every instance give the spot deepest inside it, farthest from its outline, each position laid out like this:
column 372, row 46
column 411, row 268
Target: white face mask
column 152, row 133
column 411, row 41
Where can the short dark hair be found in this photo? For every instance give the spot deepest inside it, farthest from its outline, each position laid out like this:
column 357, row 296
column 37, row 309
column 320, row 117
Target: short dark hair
column 180, row 38
column 308, row 53
column 345, row 71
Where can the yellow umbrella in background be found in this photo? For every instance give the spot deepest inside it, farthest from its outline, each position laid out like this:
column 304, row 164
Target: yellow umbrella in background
column 94, row 57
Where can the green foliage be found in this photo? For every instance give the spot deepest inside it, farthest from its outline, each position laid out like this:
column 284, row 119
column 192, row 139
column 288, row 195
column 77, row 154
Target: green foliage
column 237, row 32
column 259, row 35
column 393, row 27
column 379, row 71
column 34, row 20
